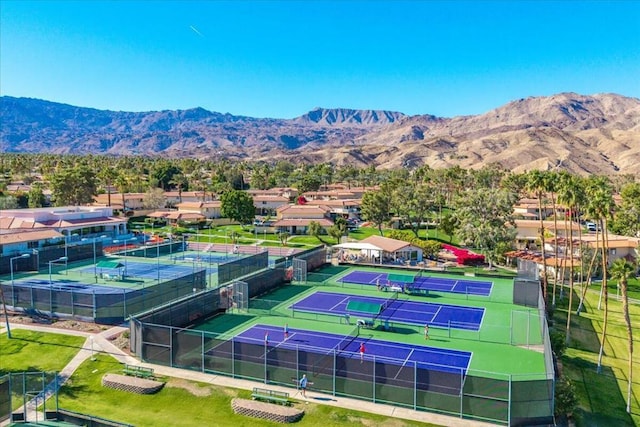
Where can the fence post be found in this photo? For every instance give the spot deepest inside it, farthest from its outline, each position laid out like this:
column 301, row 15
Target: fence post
column 202, row 348
column 333, row 375
column 415, row 386
column 171, row 346
column 461, row 393
column 374, row 379
column 509, row 407
column 266, row 351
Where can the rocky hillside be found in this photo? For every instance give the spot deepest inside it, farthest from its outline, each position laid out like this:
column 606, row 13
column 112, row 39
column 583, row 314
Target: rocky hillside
column 582, row 134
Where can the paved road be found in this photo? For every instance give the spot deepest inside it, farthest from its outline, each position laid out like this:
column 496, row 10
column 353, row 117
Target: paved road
column 101, row 344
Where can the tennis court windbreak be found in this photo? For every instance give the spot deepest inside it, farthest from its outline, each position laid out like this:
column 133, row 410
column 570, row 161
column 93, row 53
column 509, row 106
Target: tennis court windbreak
column 468, row 393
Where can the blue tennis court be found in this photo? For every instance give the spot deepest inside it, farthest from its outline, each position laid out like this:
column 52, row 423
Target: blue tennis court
column 420, row 283
column 204, row 257
column 145, row 270
column 69, row 285
column 444, row 360
column 395, row 310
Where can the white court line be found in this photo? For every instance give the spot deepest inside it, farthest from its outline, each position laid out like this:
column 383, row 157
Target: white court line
column 372, row 281
column 436, row 315
column 347, row 298
column 404, row 364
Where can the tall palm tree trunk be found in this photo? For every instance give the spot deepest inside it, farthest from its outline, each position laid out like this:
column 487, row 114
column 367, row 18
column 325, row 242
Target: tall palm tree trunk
column 567, row 337
column 542, row 250
column 555, row 230
column 589, row 274
column 627, row 321
column 605, row 245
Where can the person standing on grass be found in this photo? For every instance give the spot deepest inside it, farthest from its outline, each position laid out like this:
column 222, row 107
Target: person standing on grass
column 426, row 332
column 362, row 350
column 303, row 385
column 286, row 331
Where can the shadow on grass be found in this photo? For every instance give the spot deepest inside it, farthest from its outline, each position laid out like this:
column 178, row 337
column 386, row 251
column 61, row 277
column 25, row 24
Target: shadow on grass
column 601, row 401
column 599, row 394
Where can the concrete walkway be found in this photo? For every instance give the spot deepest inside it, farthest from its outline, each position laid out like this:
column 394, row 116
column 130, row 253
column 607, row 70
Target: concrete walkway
column 101, row 344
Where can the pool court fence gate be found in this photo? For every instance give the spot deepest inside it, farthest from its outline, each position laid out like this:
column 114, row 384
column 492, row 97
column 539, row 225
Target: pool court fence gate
column 299, row 271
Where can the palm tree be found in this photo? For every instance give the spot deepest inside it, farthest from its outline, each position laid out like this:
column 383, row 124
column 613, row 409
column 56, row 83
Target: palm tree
column 593, row 213
column 622, row 270
column 571, row 195
column 536, row 183
column 604, row 202
column 551, row 186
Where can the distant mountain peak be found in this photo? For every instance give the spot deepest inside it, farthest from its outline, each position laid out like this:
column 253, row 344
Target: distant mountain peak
column 586, row 134
column 347, row 116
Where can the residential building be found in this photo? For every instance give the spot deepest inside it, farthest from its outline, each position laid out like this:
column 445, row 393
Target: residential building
column 295, row 219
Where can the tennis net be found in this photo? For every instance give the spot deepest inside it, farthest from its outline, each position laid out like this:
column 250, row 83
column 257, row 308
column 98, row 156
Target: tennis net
column 355, row 333
column 322, row 365
column 388, row 302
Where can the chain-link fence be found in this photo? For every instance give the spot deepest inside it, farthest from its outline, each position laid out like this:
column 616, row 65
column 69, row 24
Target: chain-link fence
column 489, row 396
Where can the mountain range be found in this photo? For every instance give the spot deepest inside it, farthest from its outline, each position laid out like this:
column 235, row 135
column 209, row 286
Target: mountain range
column 596, row 134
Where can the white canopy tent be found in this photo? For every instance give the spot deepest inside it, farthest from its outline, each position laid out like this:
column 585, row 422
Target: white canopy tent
column 369, row 252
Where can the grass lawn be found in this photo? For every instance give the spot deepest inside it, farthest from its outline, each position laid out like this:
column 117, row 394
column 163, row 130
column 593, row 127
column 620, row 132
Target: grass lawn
column 25, row 351
column 602, row 396
column 181, row 402
column 187, row 403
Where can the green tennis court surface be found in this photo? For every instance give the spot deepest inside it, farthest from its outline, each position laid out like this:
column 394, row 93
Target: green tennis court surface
column 402, row 278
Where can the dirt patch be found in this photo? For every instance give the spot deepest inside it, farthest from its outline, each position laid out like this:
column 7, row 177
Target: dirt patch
column 75, row 325
column 121, row 341
column 190, row 387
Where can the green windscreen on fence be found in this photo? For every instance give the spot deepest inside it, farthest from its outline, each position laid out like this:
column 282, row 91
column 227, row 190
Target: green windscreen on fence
column 364, row 307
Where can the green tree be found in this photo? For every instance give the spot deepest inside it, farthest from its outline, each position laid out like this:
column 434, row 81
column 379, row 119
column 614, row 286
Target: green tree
column 486, row 219
column 412, row 202
column 448, row 225
column 154, row 199
column 565, row 398
column 627, row 219
column 622, row 270
column 36, row 196
column 375, row 208
column 283, row 236
column 237, row 205
column 74, row 186
column 315, row 229
column 309, row 182
column 162, row 174
column 8, row 202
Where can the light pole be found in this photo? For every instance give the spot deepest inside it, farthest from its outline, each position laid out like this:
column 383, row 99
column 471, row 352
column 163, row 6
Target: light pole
column 95, row 266
column 61, row 259
column 11, row 263
column 125, row 252
column 4, row 304
column 226, row 248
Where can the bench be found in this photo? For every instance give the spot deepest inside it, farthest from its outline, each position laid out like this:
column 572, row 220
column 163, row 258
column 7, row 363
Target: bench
column 270, row 395
column 138, row 371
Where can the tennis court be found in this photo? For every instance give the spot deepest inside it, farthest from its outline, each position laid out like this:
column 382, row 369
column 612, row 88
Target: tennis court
column 444, row 360
column 419, row 282
column 143, row 270
column 392, row 310
column 204, row 257
column 68, row 285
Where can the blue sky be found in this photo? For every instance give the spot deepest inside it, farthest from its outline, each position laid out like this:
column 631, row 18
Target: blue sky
column 281, row 59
